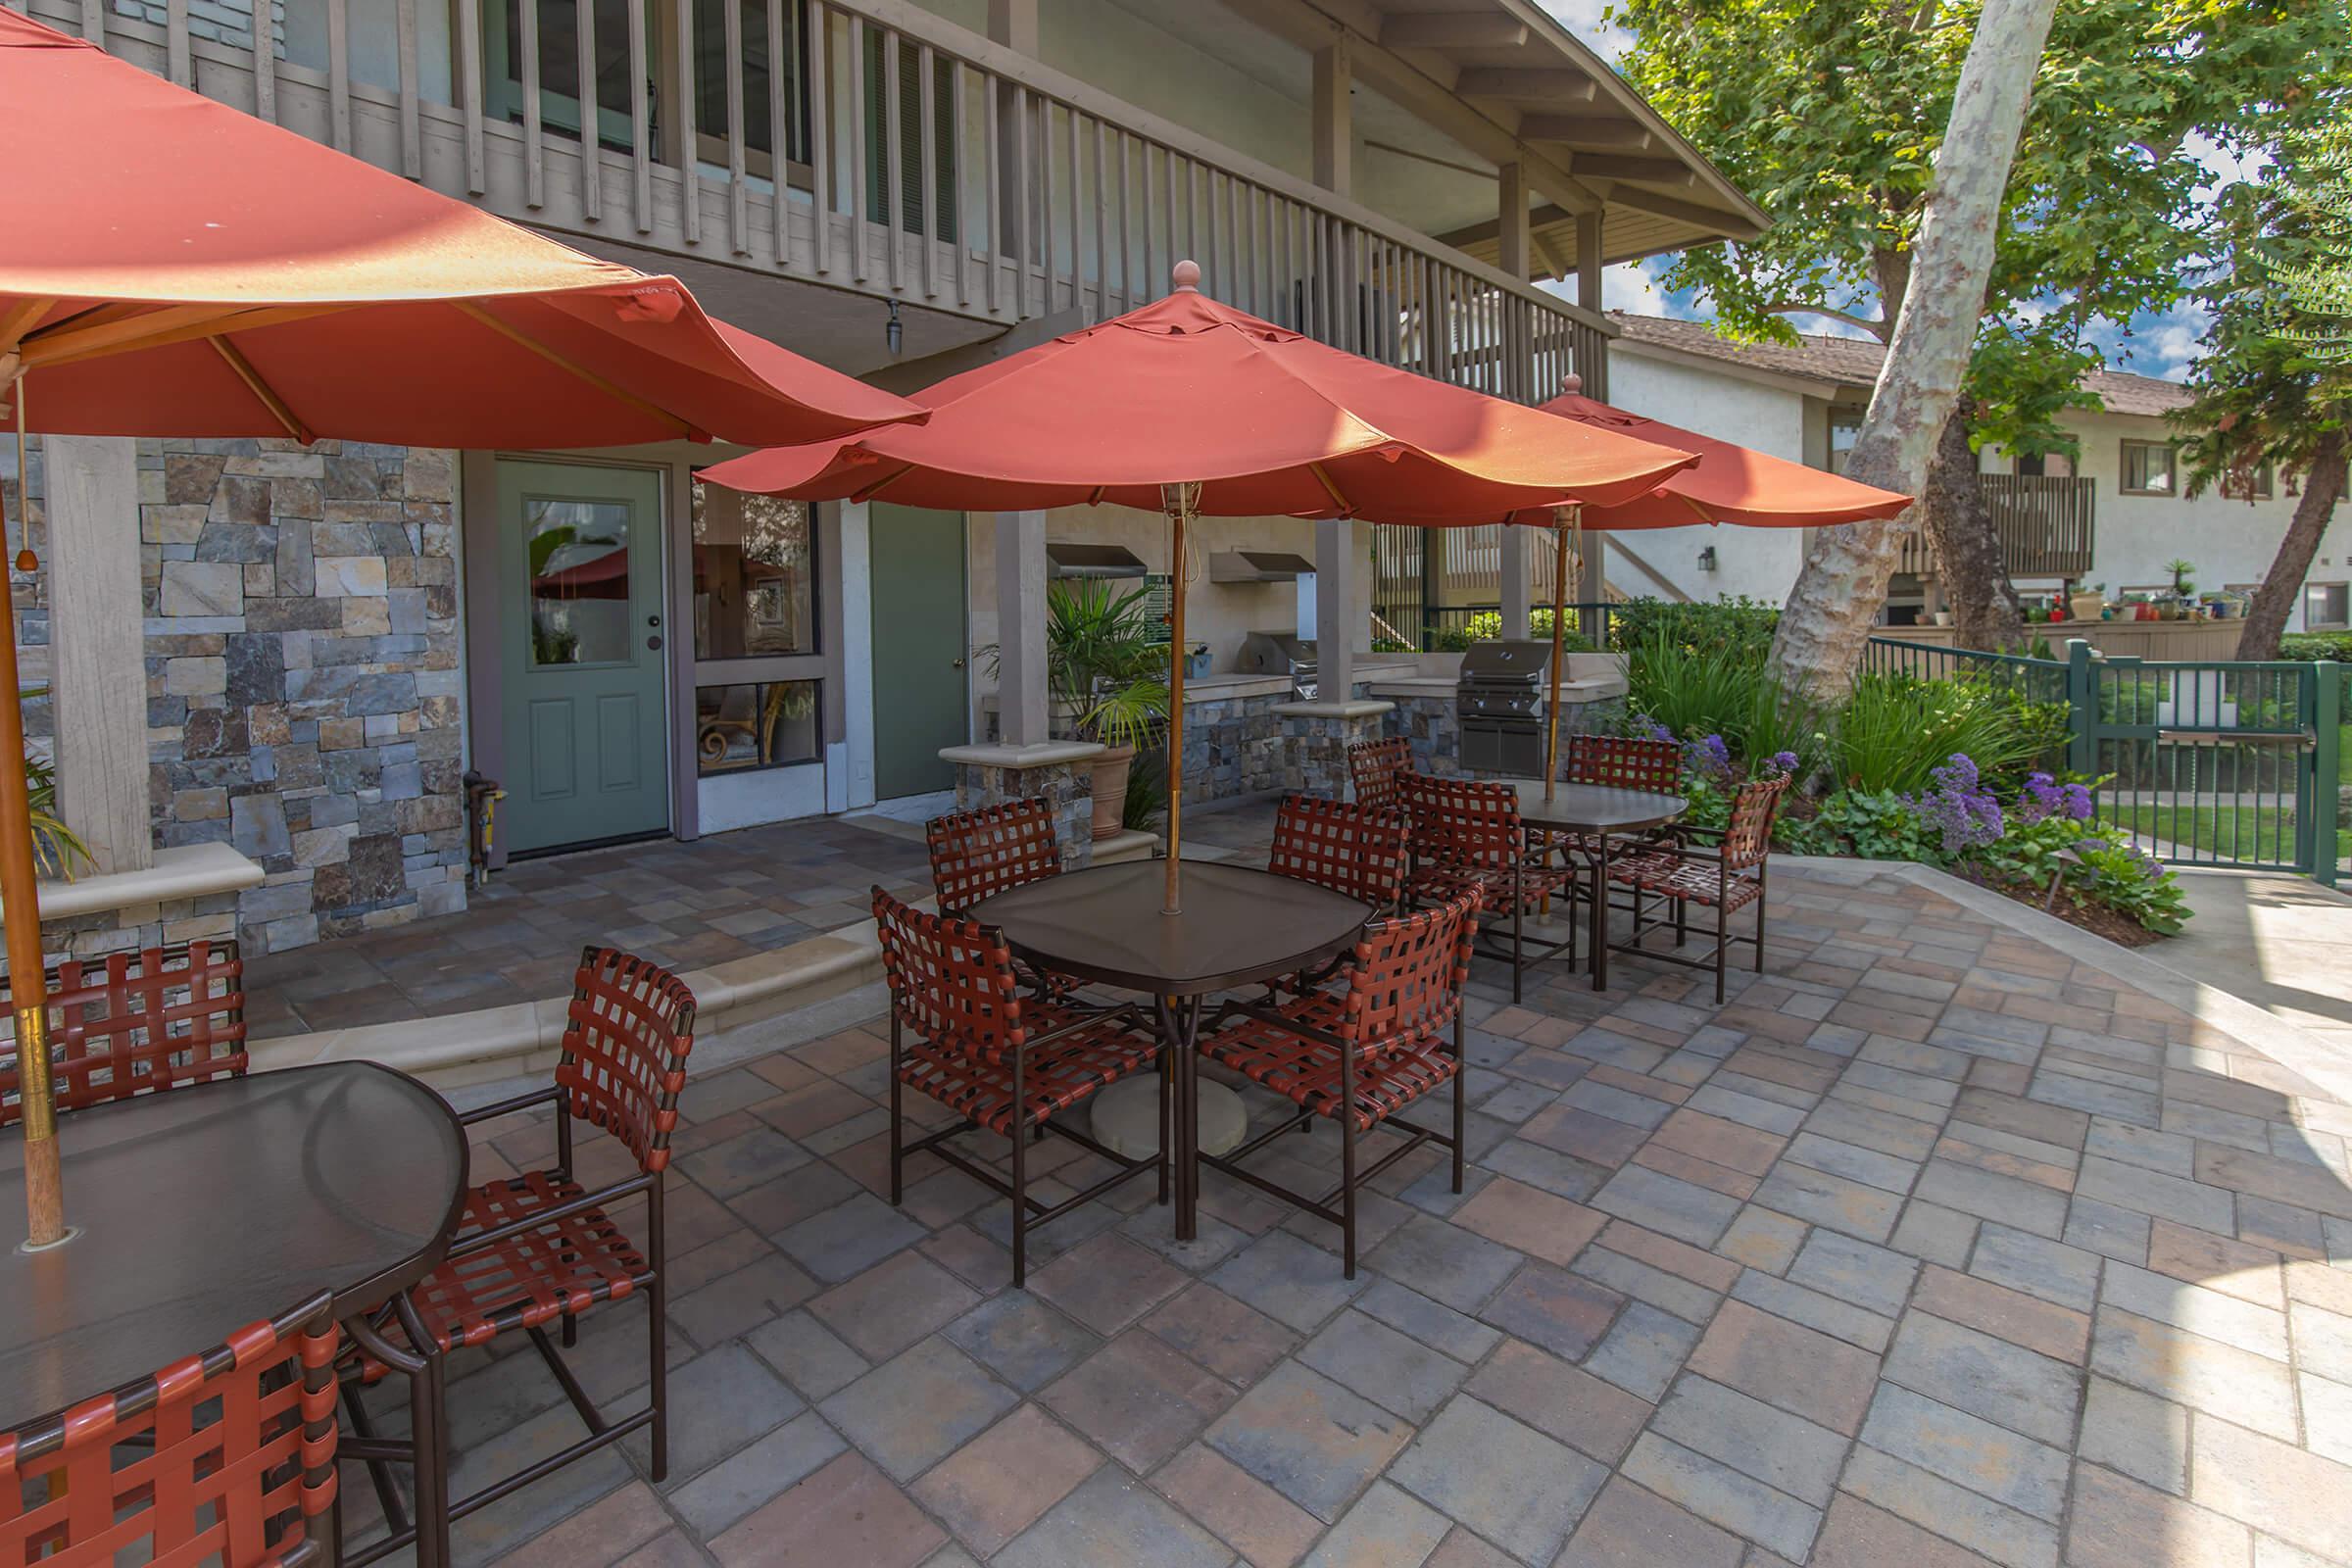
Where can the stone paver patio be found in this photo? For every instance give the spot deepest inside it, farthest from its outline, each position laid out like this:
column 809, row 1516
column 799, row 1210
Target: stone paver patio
column 1935, row 1246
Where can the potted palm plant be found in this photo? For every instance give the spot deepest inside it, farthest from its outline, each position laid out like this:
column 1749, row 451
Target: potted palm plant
column 1107, row 675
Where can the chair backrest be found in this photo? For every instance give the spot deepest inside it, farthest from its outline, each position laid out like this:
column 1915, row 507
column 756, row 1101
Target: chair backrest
column 1408, row 974
column 219, row 1458
column 1748, row 838
column 1624, row 763
column 950, row 979
column 1352, row 849
column 626, row 1037
column 1460, row 821
column 1373, row 766
column 134, row 1022
column 975, row 855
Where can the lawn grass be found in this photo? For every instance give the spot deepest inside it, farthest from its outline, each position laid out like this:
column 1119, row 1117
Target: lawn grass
column 2227, row 832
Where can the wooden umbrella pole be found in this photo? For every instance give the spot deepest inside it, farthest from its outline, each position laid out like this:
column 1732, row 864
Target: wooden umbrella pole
column 1561, row 517
column 1178, row 499
column 20, row 898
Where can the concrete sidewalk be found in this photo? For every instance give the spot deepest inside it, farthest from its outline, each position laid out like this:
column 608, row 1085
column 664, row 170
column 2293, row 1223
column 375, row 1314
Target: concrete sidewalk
column 2280, row 941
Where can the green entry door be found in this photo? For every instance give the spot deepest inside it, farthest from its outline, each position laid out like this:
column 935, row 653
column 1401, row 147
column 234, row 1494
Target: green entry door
column 581, row 634
column 921, row 697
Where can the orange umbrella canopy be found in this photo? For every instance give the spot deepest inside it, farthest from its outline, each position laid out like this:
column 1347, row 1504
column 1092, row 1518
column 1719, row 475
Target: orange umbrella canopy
column 1268, row 422
column 1729, row 483
column 170, row 265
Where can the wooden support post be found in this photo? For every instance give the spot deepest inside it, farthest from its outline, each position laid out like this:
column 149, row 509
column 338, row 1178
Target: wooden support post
column 99, row 681
column 1332, row 118
column 1021, row 706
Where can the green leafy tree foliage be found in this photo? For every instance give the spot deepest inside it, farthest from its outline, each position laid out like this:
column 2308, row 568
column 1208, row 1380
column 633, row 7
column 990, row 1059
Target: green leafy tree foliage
column 1829, row 113
column 2276, row 386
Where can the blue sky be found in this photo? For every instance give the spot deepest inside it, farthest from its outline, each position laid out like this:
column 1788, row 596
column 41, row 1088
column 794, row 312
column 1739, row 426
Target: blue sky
column 2161, row 345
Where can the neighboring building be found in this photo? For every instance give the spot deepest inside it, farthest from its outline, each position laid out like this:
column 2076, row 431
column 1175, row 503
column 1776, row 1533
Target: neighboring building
column 333, row 636
column 2116, row 515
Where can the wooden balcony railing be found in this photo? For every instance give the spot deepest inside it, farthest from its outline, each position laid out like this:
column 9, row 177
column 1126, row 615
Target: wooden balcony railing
column 859, row 144
column 2047, row 525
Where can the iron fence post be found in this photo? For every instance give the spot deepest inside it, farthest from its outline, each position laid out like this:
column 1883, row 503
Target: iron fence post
column 2327, row 716
column 2082, row 704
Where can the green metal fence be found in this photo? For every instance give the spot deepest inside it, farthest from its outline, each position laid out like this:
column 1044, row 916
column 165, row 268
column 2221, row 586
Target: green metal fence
column 2221, row 763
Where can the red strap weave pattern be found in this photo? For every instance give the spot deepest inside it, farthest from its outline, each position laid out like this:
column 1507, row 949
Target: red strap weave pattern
column 977, row 854
column 238, row 1455
column 1055, row 1076
column 628, row 1032
column 951, row 981
column 135, row 1022
column 561, row 1266
column 1702, row 881
column 1748, row 838
column 1373, row 766
column 1621, row 762
column 1462, row 823
column 1355, row 849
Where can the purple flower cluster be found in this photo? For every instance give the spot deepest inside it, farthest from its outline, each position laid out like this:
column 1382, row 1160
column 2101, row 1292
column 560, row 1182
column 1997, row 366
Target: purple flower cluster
column 1709, row 758
column 1960, row 806
column 1780, row 762
column 2044, row 797
column 1649, row 729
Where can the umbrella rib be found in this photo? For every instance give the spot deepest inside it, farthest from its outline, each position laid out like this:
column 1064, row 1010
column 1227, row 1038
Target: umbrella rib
column 524, row 339
column 81, row 338
column 18, row 322
column 1329, row 488
column 74, row 347
column 262, row 389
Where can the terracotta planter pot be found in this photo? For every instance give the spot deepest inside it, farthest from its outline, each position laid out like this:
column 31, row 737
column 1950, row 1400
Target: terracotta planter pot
column 1110, row 789
column 2085, row 606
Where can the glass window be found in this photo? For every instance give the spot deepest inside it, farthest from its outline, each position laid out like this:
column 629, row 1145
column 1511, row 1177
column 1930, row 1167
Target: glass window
column 560, row 66
column 580, row 557
column 755, row 724
column 2243, row 486
column 755, row 576
column 2147, row 468
column 1845, row 429
column 2327, row 603
column 759, row 60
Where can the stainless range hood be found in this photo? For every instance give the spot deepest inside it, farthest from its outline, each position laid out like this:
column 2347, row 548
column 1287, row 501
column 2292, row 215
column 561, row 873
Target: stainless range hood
column 1259, row 566
column 1064, row 560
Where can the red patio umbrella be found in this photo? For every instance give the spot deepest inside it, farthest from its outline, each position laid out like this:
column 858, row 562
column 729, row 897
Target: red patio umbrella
column 1192, row 407
column 169, row 266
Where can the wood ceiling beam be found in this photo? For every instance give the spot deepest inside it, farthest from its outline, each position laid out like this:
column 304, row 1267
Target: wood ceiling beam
column 1451, row 30
column 1650, row 201
column 1597, row 133
column 1618, row 166
column 1526, row 84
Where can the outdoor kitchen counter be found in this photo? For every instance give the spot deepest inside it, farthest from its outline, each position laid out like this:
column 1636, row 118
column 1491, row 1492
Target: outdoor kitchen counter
column 1227, row 687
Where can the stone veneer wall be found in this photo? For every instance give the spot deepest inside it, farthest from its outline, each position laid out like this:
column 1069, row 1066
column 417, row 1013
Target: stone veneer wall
column 1068, row 788
column 303, row 684
column 1235, row 746
column 1434, row 728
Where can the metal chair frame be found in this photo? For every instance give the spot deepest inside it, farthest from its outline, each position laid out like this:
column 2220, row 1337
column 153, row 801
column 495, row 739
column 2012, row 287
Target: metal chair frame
column 1746, row 846
column 1521, row 864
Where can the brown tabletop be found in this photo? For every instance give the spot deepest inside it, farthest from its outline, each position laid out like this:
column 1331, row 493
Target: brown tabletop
column 1239, row 925
column 1594, row 808
column 205, row 1209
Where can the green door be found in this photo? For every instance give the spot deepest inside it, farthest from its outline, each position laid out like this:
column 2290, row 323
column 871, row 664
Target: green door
column 922, row 700
column 580, row 653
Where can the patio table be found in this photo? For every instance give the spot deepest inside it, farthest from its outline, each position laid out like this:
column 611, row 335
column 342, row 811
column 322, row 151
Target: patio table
column 205, row 1209
column 1598, row 812
column 1238, row 926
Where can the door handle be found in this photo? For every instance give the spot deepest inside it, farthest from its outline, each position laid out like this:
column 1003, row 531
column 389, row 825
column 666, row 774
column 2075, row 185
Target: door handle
column 654, row 643
column 957, row 664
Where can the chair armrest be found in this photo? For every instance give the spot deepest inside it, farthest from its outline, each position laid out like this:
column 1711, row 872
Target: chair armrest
column 1131, row 1012
column 483, row 1241
column 524, row 1101
column 1279, row 1020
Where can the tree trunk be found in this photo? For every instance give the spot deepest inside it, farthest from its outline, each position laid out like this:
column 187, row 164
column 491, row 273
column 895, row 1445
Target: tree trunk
column 2275, row 600
column 1844, row 583
column 1959, row 528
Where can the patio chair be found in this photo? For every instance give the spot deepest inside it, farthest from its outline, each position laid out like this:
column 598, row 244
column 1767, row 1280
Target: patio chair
column 1357, row 850
column 132, row 1023
column 962, row 1034
column 1725, row 879
column 538, row 1248
column 1466, row 833
column 977, row 854
column 1373, row 766
column 223, row 1457
column 1359, row 1056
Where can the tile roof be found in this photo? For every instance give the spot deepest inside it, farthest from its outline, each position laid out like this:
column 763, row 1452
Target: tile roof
column 1854, row 362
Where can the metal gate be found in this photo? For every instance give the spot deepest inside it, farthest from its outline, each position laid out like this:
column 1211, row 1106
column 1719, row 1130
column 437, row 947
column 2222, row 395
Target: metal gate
column 2222, row 764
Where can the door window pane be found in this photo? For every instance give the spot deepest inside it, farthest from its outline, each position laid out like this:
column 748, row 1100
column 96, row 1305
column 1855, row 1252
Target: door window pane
column 579, row 561
column 755, row 576
column 755, row 725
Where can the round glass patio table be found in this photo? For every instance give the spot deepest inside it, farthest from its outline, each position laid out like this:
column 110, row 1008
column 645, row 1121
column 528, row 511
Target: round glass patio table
column 199, row 1210
column 1237, row 926
column 1596, row 812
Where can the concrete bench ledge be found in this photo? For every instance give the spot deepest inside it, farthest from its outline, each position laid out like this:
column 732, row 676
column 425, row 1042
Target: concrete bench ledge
column 184, row 871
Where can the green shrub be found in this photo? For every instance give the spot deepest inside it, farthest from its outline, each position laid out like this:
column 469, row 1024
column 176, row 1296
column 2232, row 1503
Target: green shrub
column 1898, row 729
column 1739, row 624
column 2131, row 883
column 1486, row 625
column 2336, row 645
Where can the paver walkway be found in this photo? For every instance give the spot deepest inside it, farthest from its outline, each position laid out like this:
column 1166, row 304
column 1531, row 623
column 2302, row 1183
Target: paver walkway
column 1932, row 1247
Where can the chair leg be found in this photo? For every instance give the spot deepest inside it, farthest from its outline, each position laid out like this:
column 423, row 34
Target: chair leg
column 1759, row 919
column 1723, row 922
column 1681, row 921
column 1518, row 935
column 657, row 1313
column 1020, row 1177
column 1461, row 1071
column 572, row 1330
column 898, row 1179
column 1347, row 1188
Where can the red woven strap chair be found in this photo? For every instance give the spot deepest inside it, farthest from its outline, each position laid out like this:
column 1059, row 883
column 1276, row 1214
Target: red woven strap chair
column 134, row 1022
column 539, row 1246
column 1726, row 878
column 977, row 854
column 1465, row 833
column 1373, row 766
column 1624, row 763
column 1360, row 1055
column 1357, row 850
column 962, row 1034
column 222, row 1459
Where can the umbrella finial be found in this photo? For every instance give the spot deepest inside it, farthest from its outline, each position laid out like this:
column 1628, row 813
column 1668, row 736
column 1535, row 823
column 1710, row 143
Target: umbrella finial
column 1187, row 276
column 1572, row 383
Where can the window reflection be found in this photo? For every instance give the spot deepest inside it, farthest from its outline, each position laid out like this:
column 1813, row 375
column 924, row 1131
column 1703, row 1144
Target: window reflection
column 754, row 566
column 579, row 563
column 755, row 725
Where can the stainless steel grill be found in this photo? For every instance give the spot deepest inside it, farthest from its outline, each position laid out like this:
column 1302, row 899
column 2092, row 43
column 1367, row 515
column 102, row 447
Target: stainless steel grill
column 1281, row 653
column 1499, row 703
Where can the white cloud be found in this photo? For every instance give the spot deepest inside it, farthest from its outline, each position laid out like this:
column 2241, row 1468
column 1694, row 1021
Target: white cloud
column 1587, row 19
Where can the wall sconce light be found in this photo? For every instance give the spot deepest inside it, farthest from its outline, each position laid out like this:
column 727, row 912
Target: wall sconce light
column 1706, row 559
column 894, row 334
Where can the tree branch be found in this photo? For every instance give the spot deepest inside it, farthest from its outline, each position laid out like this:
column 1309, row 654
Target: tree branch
column 1876, row 329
